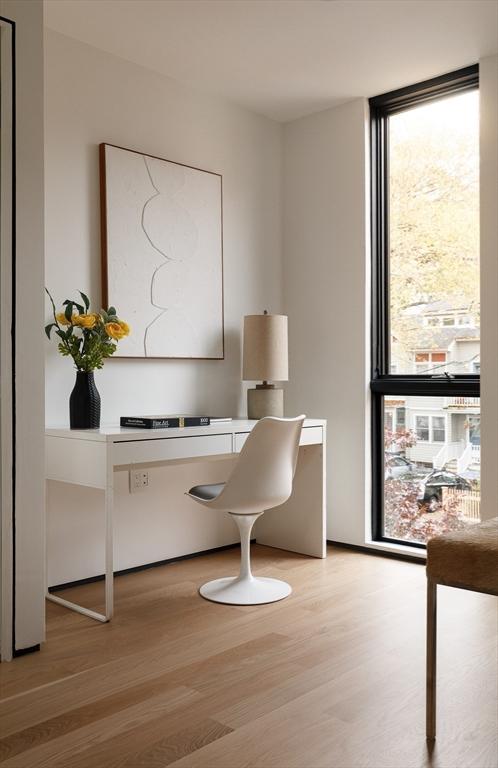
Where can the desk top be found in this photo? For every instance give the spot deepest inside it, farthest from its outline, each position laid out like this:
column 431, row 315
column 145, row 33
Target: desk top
column 115, row 434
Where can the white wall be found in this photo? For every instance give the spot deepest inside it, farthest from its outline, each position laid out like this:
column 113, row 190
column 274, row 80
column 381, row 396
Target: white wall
column 94, row 97
column 30, row 495
column 325, row 289
column 488, row 83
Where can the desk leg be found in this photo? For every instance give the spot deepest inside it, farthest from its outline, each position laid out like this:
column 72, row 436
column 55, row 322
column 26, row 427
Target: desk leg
column 75, row 607
column 299, row 525
column 109, row 573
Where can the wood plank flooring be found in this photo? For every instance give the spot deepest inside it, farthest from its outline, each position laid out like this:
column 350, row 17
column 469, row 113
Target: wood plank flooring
column 332, row 677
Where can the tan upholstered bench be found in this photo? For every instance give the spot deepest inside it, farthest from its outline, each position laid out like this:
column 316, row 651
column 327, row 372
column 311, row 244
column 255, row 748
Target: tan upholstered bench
column 465, row 559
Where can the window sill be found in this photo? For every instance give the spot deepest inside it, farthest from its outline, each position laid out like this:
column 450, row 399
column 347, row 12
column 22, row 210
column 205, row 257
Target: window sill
column 398, row 549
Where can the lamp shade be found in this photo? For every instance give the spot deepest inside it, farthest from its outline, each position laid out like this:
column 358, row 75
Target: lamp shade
column 265, row 356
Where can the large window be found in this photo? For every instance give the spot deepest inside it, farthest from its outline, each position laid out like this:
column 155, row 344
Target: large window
column 426, row 313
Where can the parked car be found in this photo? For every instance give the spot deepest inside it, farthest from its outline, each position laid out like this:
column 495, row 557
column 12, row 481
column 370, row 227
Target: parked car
column 430, row 491
column 397, row 466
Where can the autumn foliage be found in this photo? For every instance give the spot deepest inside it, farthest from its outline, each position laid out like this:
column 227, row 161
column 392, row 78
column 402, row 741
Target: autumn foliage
column 404, row 519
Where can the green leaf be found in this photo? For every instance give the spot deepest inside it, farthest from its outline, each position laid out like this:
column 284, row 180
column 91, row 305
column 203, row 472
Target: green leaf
column 112, row 311
column 48, row 328
column 104, row 315
column 69, row 332
column 69, row 310
column 79, row 307
column 86, row 300
column 61, row 334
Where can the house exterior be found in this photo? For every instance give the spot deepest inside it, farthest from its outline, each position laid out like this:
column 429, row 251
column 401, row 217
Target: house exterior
column 447, row 429
column 439, row 339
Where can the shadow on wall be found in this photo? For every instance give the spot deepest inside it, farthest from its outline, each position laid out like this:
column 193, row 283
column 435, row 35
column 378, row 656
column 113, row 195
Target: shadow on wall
column 217, row 384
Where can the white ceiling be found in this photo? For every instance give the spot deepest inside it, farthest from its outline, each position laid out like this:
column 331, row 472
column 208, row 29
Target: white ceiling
column 287, row 58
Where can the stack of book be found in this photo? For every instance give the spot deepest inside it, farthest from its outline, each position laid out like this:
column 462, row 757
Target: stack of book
column 174, row 421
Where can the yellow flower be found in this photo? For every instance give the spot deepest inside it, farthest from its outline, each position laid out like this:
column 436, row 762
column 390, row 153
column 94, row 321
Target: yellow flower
column 62, row 319
column 116, row 330
column 86, row 321
column 125, row 327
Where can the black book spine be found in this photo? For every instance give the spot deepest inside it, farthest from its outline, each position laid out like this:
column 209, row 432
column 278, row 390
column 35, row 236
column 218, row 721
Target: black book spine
column 196, row 421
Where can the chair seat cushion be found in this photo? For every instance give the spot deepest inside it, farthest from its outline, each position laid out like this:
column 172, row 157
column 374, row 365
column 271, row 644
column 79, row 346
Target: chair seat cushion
column 206, row 492
column 466, row 559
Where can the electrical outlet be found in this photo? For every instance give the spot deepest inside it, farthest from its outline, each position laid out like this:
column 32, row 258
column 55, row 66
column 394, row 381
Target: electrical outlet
column 138, row 480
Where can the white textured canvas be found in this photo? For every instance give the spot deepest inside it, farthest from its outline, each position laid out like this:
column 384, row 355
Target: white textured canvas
column 164, row 255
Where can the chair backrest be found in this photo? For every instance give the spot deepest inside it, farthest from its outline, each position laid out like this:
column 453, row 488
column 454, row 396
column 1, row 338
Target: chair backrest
column 262, row 477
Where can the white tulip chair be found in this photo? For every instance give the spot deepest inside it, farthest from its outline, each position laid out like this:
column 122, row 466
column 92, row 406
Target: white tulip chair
column 261, row 479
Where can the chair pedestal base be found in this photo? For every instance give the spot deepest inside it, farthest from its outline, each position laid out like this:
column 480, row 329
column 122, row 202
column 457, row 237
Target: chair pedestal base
column 247, row 591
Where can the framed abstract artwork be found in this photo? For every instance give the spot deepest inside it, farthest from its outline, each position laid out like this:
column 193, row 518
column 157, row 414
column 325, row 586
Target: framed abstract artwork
column 162, row 254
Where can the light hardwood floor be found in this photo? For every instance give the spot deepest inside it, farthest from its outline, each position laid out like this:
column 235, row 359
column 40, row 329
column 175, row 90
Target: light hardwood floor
column 332, row 677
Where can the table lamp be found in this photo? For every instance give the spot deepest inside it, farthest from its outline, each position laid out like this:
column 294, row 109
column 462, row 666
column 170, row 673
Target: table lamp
column 265, row 359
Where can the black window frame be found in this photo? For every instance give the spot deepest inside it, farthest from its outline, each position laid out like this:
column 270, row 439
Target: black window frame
column 382, row 382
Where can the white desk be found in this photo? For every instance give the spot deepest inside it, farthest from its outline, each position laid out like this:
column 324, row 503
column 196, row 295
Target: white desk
column 90, row 458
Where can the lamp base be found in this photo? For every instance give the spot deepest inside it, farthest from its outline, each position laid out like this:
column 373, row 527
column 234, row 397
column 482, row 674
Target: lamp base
column 265, row 400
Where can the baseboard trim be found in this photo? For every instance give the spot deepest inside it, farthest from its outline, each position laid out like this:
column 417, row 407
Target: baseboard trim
column 145, row 567
column 23, row 651
column 378, row 552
